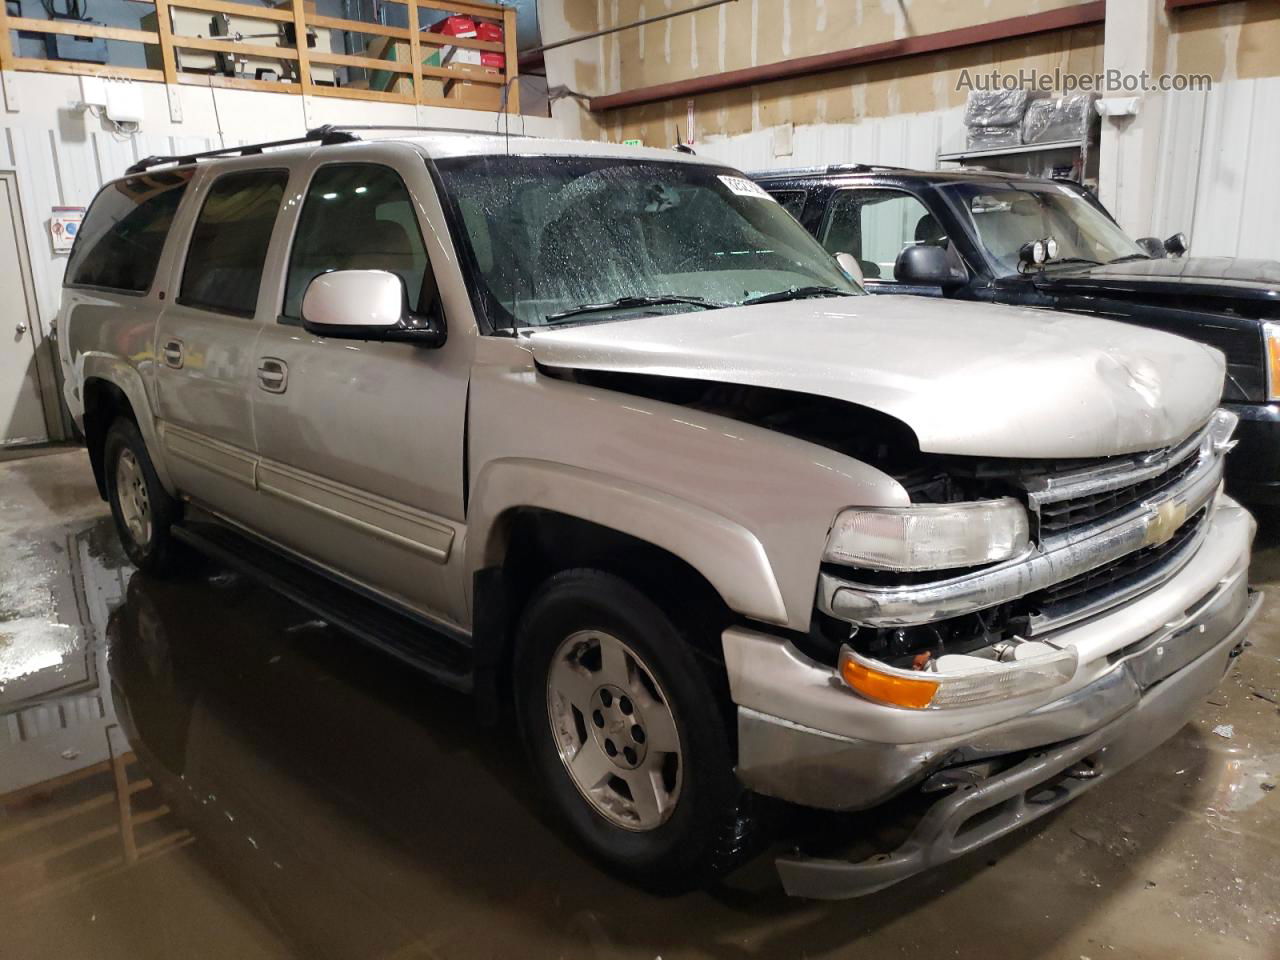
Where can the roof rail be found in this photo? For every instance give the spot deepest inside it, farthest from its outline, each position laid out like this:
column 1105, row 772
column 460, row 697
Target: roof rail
column 326, row 135
column 346, row 127
column 832, row 168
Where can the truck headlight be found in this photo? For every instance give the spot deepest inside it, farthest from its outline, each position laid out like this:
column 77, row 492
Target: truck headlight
column 929, row 536
column 1271, row 334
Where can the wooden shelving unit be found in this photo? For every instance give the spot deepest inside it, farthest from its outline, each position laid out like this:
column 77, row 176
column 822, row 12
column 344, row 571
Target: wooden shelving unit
column 454, row 85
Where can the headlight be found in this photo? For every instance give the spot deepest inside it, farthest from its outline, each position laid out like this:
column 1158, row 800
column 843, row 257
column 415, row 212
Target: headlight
column 918, row 690
column 1271, row 333
column 929, row 536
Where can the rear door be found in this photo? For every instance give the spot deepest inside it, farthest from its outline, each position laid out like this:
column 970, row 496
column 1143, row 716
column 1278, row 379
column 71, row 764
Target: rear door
column 205, row 370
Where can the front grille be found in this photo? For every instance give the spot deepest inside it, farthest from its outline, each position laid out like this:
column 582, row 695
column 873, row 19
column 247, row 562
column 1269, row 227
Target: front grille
column 1060, row 516
column 1116, row 576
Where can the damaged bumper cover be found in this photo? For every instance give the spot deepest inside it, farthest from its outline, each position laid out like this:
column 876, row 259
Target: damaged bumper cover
column 1144, row 666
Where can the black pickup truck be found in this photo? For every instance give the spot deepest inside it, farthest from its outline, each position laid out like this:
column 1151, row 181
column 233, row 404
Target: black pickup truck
column 972, row 235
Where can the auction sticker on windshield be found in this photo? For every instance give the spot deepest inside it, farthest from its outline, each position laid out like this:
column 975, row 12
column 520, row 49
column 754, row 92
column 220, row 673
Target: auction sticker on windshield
column 745, row 188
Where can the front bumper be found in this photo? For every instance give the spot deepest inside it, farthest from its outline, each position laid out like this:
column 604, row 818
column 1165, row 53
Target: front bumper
column 1253, row 467
column 804, row 737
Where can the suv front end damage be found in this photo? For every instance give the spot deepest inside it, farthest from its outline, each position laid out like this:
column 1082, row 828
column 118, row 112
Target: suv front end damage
column 1074, row 633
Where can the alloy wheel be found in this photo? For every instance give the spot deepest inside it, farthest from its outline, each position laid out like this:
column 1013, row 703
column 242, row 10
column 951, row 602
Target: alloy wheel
column 614, row 730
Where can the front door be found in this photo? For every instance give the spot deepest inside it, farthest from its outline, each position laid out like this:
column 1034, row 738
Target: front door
column 361, row 443
column 875, row 224
column 22, row 412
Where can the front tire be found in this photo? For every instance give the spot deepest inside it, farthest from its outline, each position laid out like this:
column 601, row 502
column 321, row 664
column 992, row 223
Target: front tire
column 626, row 732
column 142, row 509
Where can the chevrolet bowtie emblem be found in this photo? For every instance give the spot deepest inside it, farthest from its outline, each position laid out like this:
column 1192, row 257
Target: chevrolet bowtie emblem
column 1169, row 517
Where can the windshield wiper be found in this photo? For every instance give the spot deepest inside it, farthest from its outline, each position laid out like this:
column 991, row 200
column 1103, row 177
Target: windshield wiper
column 625, row 303
column 1129, row 256
column 1084, row 260
column 796, row 293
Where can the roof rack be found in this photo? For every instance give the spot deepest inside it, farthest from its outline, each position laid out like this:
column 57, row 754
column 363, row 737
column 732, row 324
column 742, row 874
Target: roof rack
column 831, row 168
column 324, row 136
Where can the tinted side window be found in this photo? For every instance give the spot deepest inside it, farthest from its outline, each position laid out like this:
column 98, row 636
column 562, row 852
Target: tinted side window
column 358, row 216
column 792, row 201
column 230, row 240
column 120, row 242
column 875, row 226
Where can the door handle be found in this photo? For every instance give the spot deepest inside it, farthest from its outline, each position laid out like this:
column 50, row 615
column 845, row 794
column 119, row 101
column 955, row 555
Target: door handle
column 22, row 329
column 273, row 375
column 173, row 353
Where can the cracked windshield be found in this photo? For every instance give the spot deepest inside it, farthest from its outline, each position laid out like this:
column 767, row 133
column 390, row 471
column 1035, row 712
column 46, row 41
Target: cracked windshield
column 565, row 239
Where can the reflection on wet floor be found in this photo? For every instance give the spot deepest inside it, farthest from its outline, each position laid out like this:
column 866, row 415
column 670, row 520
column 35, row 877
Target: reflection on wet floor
column 196, row 767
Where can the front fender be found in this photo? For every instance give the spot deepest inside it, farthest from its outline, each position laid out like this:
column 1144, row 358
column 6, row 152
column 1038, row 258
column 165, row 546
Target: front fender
column 731, row 558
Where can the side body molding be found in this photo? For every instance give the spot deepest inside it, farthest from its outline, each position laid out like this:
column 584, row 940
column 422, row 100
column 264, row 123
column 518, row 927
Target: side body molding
column 731, row 557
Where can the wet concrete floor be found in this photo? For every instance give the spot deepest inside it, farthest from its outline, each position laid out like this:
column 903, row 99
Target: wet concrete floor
column 197, row 768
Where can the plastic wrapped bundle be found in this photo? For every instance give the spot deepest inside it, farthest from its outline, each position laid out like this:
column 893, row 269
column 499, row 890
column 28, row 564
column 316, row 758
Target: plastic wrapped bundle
column 996, row 108
column 1067, row 118
column 989, row 138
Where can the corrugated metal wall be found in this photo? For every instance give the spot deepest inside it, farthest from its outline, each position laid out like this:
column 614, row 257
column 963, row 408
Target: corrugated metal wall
column 1216, row 177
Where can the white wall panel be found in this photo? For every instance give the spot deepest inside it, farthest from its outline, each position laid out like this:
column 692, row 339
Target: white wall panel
column 1215, row 177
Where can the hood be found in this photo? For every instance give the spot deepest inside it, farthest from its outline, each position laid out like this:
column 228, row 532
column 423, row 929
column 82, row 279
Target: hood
column 1212, row 276
column 970, row 379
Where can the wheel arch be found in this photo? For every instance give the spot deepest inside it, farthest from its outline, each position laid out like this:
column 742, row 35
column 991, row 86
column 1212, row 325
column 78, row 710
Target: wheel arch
column 111, row 389
column 530, row 520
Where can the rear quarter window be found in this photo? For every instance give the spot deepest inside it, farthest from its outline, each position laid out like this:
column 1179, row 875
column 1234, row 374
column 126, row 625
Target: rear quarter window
column 119, row 244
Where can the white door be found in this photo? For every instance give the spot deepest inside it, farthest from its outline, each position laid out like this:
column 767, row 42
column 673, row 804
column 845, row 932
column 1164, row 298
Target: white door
column 21, row 411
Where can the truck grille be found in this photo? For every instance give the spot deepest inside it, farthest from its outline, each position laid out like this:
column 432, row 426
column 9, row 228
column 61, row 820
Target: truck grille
column 1116, row 576
column 1064, row 503
column 1061, row 516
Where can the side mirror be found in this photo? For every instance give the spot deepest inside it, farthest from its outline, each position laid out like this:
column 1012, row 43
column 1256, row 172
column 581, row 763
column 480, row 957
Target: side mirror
column 1153, row 247
column 929, row 265
column 1177, row 245
column 849, row 264
column 366, row 305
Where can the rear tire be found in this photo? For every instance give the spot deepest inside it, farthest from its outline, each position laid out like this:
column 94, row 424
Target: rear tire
column 626, row 733
column 143, row 511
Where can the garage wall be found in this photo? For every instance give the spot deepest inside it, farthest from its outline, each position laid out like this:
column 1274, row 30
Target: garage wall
column 754, row 32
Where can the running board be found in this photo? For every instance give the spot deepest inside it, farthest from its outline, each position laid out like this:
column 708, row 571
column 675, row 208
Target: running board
column 403, row 634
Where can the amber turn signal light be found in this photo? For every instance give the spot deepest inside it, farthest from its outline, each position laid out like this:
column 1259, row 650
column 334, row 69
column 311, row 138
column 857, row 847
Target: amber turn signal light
column 887, row 688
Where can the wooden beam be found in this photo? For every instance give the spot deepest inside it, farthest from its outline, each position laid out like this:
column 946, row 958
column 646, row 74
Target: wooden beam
column 238, row 83
column 511, row 60
column 6, row 51
column 360, row 26
column 429, row 39
column 124, row 809
column 1063, row 18
column 304, row 54
column 368, row 63
column 75, row 68
column 261, row 51
column 489, row 11
column 235, row 9
column 74, row 28
column 415, row 49
column 164, row 24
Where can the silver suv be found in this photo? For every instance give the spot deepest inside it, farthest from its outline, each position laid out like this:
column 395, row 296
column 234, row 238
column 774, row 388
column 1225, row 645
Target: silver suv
column 602, row 435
